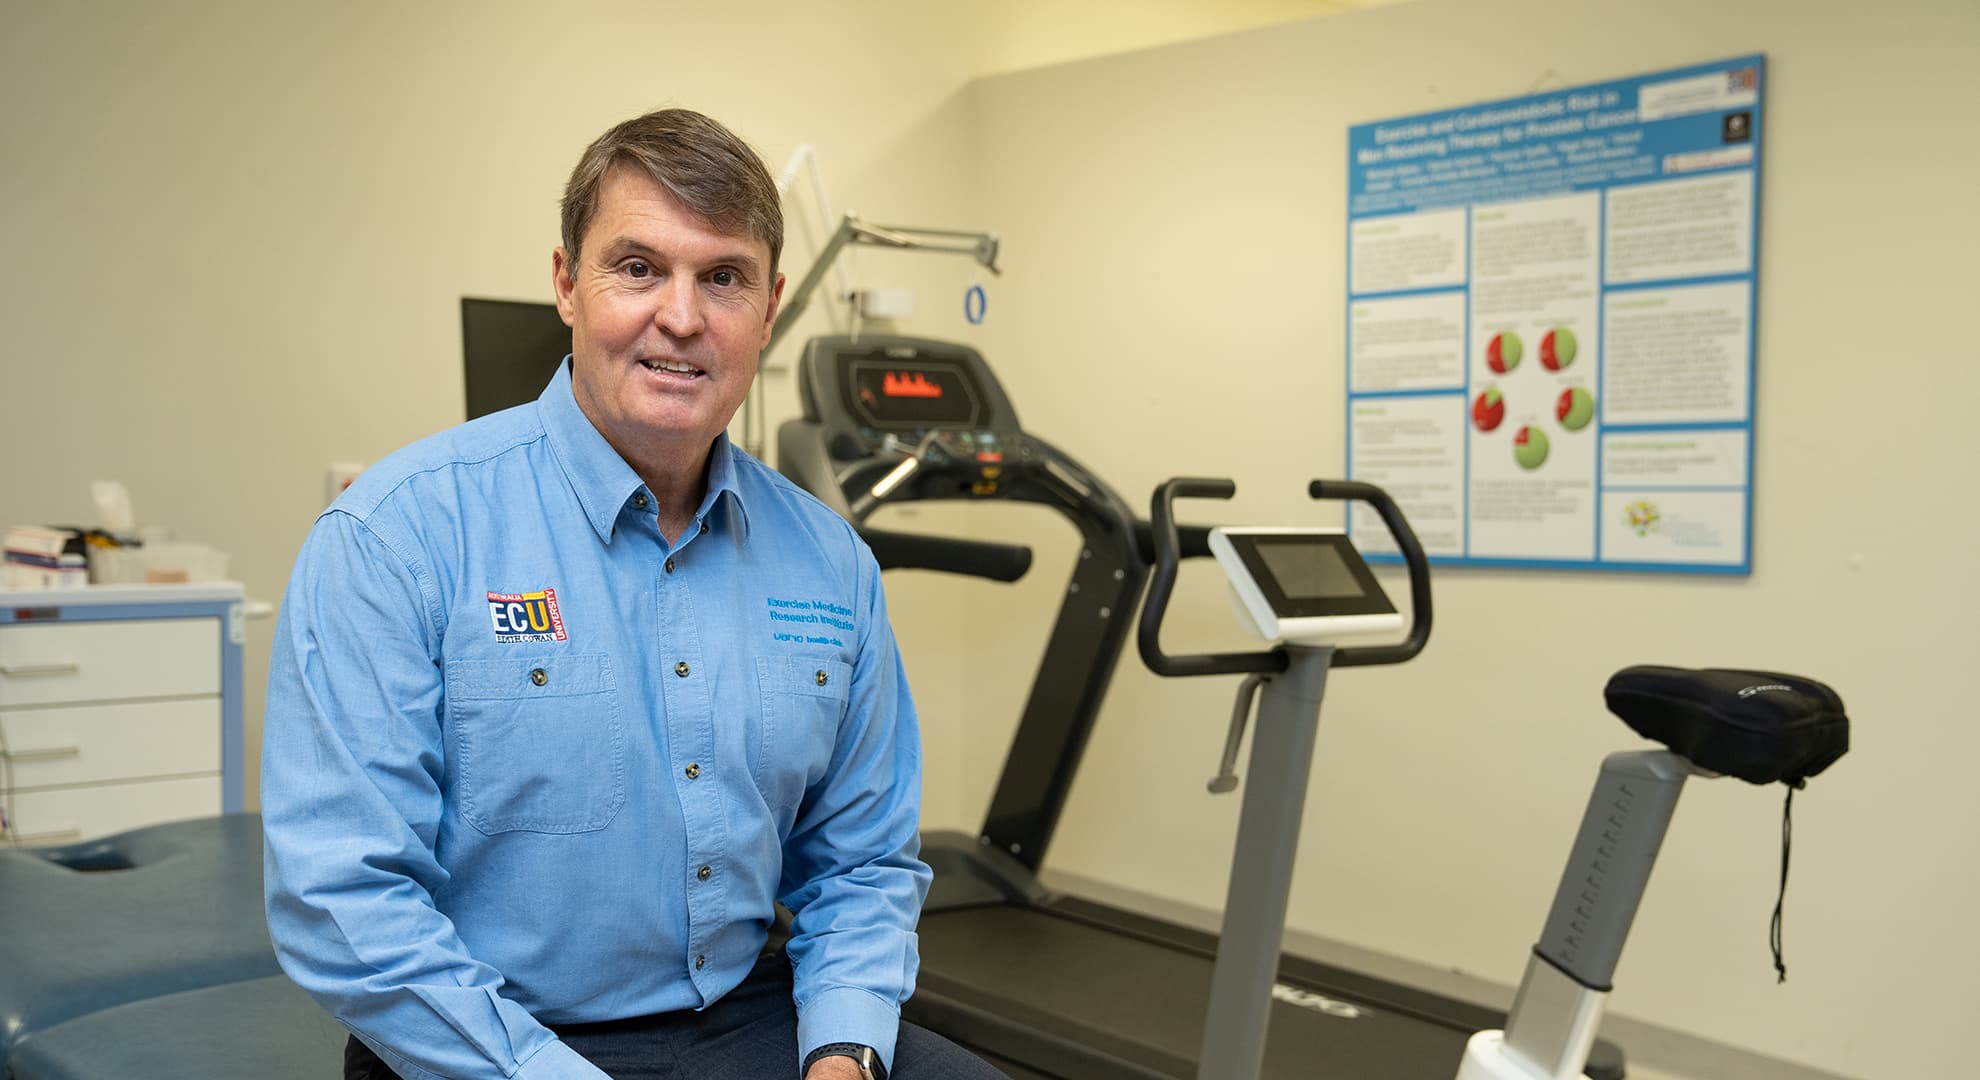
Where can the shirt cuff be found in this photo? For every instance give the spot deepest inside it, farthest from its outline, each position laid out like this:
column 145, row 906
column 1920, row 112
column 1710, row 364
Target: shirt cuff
column 847, row 1014
column 557, row 1061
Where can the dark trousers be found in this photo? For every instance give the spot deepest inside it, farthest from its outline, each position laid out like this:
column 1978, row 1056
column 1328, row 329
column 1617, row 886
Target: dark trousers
column 751, row 1034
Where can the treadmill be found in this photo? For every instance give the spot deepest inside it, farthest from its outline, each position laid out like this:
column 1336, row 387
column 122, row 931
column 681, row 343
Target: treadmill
column 1051, row 987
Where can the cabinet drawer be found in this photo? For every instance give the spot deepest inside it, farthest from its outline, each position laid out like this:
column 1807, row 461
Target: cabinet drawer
column 44, row 663
column 65, row 815
column 87, row 744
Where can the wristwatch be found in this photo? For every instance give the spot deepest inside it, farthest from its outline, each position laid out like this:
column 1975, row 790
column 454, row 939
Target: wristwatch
column 867, row 1058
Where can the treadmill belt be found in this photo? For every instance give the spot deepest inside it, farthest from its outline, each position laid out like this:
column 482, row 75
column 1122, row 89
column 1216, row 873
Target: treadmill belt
column 1144, row 1001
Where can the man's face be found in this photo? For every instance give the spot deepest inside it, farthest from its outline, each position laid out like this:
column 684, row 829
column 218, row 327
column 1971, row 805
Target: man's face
column 668, row 316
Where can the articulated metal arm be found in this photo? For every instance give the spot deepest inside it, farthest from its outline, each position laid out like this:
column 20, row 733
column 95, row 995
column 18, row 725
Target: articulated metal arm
column 851, row 230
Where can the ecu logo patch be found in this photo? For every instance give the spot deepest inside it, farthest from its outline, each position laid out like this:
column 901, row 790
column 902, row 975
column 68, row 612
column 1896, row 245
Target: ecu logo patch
column 530, row 616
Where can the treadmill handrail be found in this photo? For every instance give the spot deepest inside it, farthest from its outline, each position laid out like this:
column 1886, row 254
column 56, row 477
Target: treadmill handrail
column 948, row 555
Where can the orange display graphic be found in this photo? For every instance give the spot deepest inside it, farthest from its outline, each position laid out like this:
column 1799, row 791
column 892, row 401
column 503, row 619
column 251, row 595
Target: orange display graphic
column 914, row 385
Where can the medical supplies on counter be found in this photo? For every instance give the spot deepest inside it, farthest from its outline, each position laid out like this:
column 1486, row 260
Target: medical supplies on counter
column 115, row 552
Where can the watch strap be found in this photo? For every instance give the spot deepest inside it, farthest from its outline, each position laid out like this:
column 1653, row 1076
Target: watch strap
column 866, row 1056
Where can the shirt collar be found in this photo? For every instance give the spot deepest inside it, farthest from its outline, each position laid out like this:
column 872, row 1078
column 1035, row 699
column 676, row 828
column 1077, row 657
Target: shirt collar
column 601, row 478
column 722, row 483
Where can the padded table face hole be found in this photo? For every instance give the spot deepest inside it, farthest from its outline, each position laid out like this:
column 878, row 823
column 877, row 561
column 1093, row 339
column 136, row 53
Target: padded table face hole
column 90, row 858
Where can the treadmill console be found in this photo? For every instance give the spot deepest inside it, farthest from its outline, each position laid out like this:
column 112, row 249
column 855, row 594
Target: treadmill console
column 904, row 418
column 876, row 392
column 1302, row 586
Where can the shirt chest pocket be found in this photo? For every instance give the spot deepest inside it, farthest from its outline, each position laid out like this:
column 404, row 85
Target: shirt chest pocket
column 538, row 743
column 801, row 701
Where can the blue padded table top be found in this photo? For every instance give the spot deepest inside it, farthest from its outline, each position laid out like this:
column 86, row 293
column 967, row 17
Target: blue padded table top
column 145, row 913
column 256, row 1029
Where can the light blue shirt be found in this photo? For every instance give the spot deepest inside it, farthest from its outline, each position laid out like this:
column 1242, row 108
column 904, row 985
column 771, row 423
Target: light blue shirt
column 526, row 763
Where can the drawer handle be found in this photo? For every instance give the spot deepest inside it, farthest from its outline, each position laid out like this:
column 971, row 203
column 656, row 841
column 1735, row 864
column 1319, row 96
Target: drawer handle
column 50, row 837
column 24, row 671
column 55, row 753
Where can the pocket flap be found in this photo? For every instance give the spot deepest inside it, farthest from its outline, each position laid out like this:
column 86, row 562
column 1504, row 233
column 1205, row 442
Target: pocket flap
column 539, row 675
column 814, row 676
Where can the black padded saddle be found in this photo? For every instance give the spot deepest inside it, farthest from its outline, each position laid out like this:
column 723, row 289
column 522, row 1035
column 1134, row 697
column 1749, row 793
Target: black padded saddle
column 1761, row 726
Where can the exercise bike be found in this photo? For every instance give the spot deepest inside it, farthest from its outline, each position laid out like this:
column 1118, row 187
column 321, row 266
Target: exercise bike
column 1303, row 590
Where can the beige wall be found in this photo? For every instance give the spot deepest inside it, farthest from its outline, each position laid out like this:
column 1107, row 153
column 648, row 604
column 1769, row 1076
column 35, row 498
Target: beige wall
column 1174, row 229
column 1018, row 34
column 241, row 231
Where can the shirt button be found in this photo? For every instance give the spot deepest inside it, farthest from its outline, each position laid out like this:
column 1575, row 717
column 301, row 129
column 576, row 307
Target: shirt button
column 704, row 526
column 539, row 676
column 700, row 962
column 670, row 566
column 694, row 772
column 639, row 500
column 681, row 669
column 823, row 678
column 705, row 873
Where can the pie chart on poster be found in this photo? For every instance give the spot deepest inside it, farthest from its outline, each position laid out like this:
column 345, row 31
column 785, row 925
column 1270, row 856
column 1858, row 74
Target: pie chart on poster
column 1488, row 410
column 1502, row 352
column 1575, row 408
column 1557, row 349
column 1530, row 447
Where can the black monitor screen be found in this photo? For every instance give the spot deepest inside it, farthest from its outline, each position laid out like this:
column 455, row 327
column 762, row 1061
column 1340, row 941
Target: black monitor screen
column 511, row 350
column 1310, row 574
column 1310, row 571
column 912, row 394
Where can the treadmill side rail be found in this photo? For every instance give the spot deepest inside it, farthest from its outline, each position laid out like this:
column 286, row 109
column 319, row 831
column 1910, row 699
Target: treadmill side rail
column 970, row 872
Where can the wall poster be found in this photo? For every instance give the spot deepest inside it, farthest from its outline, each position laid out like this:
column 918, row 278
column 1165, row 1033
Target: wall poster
column 1550, row 324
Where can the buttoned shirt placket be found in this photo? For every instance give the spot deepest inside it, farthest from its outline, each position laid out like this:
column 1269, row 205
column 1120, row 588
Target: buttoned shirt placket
column 687, row 733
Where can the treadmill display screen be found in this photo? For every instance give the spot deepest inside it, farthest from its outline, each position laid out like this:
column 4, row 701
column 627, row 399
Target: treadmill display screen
column 913, row 394
column 1310, row 571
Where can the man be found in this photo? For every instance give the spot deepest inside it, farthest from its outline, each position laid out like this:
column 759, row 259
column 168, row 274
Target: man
column 538, row 758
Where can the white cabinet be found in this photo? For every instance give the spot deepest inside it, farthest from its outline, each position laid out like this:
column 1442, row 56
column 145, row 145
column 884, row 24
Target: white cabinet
column 119, row 707
column 44, row 663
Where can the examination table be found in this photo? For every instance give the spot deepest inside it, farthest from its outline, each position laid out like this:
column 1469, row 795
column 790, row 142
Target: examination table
column 146, row 954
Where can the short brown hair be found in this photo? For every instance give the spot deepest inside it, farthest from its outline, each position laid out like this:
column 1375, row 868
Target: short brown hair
column 713, row 173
